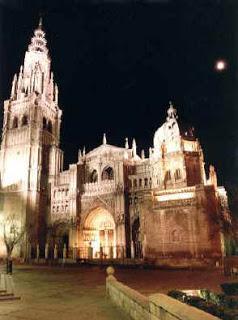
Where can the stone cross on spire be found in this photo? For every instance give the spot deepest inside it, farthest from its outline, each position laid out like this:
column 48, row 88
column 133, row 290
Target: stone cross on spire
column 172, row 112
column 104, row 139
column 40, row 23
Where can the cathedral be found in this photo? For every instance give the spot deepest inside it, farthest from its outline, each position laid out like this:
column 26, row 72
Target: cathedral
column 112, row 203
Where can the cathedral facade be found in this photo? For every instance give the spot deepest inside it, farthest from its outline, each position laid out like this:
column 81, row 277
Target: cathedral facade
column 112, row 203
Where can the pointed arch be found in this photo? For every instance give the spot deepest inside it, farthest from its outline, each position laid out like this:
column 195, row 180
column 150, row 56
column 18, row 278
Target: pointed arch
column 100, row 219
column 167, row 176
column 99, row 234
column 93, row 176
column 108, row 173
column 50, row 126
column 24, row 120
column 177, row 174
column 44, row 123
column 176, row 235
column 15, row 123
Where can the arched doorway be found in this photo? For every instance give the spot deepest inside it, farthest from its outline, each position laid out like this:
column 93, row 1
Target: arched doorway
column 99, row 235
column 136, row 238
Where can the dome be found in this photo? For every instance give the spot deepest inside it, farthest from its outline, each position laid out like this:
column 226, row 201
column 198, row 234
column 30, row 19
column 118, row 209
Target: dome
column 168, row 133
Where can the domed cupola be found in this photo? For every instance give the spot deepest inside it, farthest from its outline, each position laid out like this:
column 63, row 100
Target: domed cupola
column 168, row 135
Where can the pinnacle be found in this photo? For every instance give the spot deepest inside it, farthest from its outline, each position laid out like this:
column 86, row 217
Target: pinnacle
column 40, row 23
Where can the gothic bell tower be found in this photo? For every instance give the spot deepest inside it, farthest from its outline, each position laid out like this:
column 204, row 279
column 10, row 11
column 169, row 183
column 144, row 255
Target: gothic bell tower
column 30, row 157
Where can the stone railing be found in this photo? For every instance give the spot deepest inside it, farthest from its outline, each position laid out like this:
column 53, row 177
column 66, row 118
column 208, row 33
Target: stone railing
column 157, row 306
column 106, row 186
column 173, row 203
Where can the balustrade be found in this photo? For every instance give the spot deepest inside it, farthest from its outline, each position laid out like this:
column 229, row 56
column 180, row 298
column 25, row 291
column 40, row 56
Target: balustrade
column 105, row 186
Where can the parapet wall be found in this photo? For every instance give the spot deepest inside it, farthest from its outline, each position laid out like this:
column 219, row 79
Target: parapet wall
column 129, row 300
column 157, row 306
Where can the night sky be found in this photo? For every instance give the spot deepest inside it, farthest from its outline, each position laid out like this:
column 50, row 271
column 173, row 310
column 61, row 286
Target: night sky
column 118, row 64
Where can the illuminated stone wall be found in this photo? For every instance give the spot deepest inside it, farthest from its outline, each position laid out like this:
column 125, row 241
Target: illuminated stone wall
column 30, row 156
column 160, row 205
column 180, row 211
column 182, row 225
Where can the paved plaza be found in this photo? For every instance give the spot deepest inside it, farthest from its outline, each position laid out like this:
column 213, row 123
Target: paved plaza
column 56, row 293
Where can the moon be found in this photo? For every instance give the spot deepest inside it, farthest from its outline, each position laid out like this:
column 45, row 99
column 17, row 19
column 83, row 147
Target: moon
column 220, row 65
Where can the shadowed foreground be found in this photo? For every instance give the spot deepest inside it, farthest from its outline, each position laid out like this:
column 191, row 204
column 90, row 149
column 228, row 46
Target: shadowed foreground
column 79, row 293
column 56, row 293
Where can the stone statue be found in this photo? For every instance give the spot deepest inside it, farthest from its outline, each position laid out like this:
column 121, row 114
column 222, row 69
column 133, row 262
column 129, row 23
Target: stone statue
column 55, row 252
column 46, row 251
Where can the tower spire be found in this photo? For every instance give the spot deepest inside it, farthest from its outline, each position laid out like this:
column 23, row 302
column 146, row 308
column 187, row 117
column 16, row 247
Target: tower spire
column 104, row 140
column 38, row 41
column 35, row 75
column 134, row 148
column 126, row 143
column 40, row 22
column 172, row 112
column 142, row 154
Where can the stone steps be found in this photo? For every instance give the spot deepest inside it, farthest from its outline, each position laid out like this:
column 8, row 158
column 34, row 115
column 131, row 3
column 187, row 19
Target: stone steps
column 7, row 288
column 9, row 297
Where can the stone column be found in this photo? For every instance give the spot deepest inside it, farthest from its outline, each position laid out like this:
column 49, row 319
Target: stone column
column 132, row 250
column 55, row 252
column 46, row 251
column 101, row 252
column 111, row 252
column 106, row 242
column 144, row 247
column 37, row 252
column 64, row 253
column 90, row 251
column 75, row 252
column 29, row 251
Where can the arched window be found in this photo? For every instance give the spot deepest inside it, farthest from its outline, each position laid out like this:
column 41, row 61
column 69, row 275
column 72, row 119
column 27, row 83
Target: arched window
column 44, row 123
column 107, row 173
column 146, row 182
column 50, row 126
column 177, row 174
column 24, row 120
column 140, row 183
column 94, row 176
column 15, row 123
column 135, row 183
column 176, row 236
column 167, row 176
column 129, row 183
